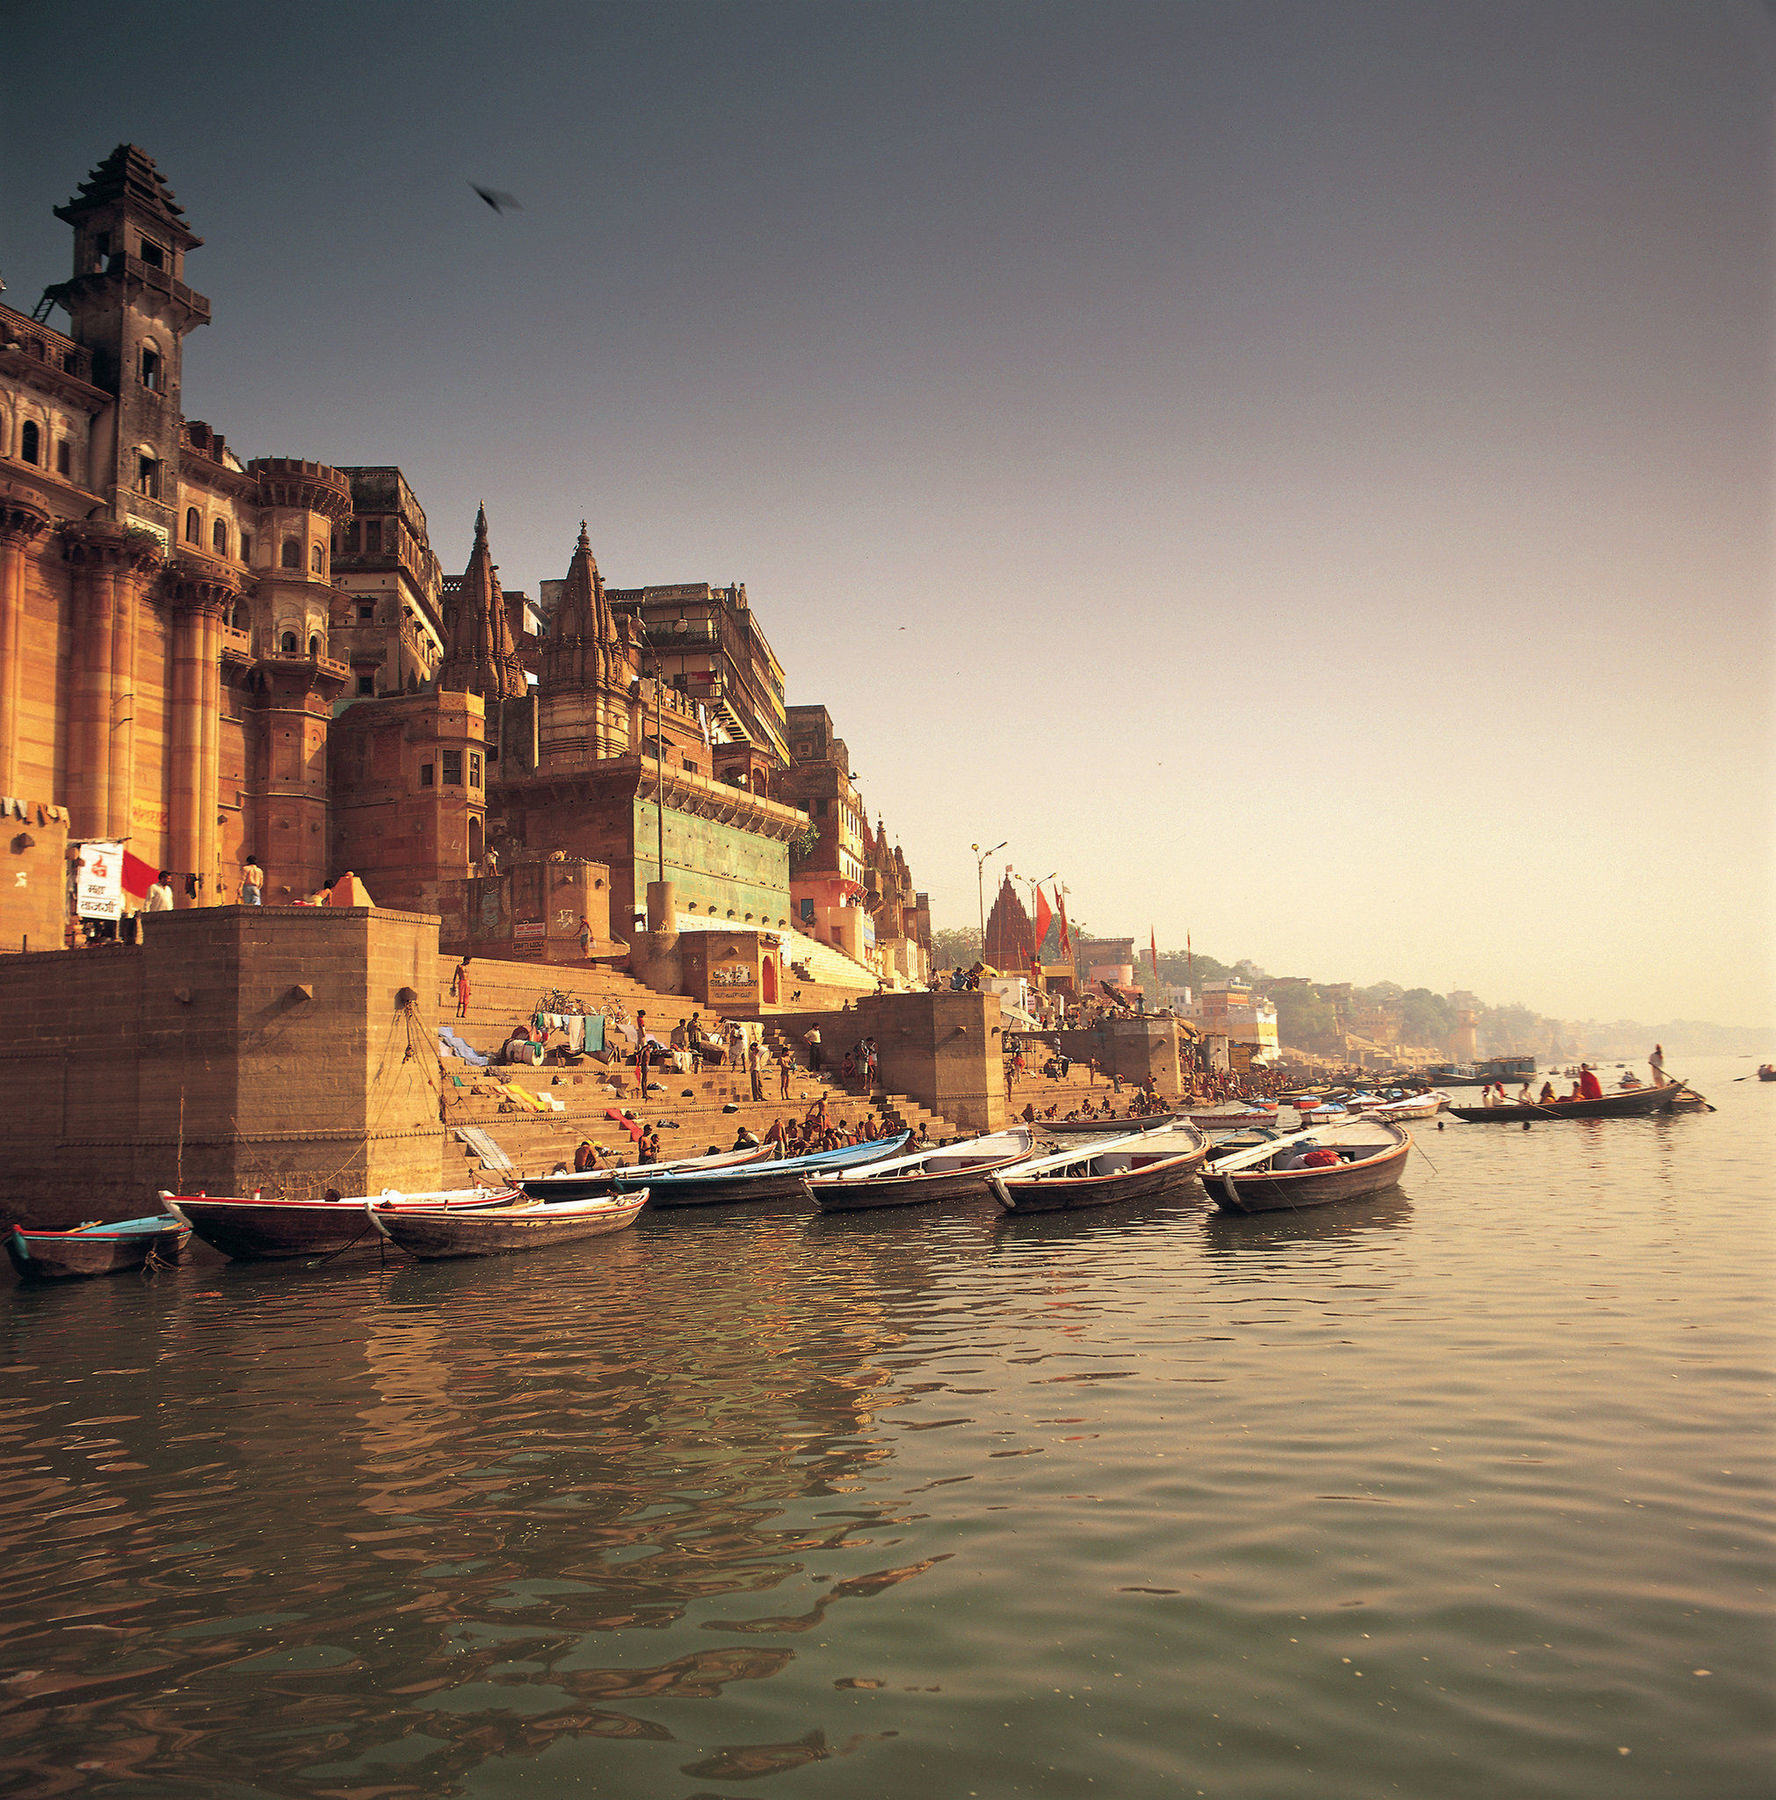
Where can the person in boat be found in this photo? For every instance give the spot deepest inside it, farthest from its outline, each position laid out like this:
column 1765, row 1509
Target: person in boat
column 745, row 1139
column 1656, row 1062
column 1589, row 1085
column 1548, row 1094
column 924, row 1137
column 1524, row 1097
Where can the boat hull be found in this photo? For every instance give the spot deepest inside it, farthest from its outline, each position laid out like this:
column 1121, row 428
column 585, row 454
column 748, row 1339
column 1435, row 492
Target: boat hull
column 1072, row 1193
column 76, row 1255
column 1109, row 1127
column 287, row 1230
column 1291, row 1190
column 1633, row 1103
column 750, row 1186
column 541, row 1225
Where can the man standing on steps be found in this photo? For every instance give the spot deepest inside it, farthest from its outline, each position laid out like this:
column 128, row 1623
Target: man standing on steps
column 811, row 1037
column 755, row 1057
column 785, row 1062
column 460, row 982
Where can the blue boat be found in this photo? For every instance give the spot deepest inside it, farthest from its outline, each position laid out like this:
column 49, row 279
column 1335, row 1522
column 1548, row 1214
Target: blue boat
column 759, row 1181
column 96, row 1249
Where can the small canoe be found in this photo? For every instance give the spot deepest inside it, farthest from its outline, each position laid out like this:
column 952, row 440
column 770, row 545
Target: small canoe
column 96, row 1249
column 434, row 1234
column 588, row 1184
column 271, row 1230
column 1370, row 1158
column 954, row 1172
column 1140, row 1166
column 1107, row 1127
column 1413, row 1106
column 1625, row 1103
column 1232, row 1118
column 781, row 1180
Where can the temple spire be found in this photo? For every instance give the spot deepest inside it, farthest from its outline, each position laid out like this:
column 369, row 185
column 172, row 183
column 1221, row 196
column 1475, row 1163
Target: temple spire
column 480, row 657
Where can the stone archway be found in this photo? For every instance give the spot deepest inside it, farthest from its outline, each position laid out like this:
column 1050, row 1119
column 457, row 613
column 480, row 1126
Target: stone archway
column 768, row 980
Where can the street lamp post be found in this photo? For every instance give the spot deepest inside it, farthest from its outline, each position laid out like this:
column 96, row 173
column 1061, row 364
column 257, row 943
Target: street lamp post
column 980, row 891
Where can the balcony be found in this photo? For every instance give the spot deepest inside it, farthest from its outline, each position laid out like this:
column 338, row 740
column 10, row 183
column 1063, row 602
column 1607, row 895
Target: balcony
column 43, row 345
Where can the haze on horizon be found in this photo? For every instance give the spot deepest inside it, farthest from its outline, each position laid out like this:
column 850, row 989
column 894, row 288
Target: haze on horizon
column 1301, row 473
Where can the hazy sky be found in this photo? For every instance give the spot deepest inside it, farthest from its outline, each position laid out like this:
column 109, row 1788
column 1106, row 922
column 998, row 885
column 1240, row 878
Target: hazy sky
column 1303, row 472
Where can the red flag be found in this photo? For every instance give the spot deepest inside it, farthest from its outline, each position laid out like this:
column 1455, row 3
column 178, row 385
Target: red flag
column 1153, row 951
column 1044, row 915
column 1066, row 936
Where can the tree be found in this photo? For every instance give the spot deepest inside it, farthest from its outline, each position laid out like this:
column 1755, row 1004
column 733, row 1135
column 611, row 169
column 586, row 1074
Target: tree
column 956, row 948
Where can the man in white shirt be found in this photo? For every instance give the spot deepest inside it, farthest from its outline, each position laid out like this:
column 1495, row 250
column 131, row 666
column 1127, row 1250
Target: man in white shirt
column 160, row 896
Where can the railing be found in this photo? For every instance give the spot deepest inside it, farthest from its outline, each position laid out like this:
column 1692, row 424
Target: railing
column 47, row 346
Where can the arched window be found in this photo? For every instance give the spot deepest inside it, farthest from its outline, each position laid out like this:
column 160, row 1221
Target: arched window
column 291, row 555
column 287, row 643
column 246, row 546
column 219, row 537
column 30, row 442
column 317, row 560
column 152, row 367
column 314, row 646
column 193, row 526
column 474, row 840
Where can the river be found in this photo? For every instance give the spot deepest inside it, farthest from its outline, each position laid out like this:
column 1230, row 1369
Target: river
column 1465, row 1491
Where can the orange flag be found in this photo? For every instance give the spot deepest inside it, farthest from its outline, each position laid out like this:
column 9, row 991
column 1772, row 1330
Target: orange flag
column 1066, row 936
column 1044, row 915
column 1153, row 951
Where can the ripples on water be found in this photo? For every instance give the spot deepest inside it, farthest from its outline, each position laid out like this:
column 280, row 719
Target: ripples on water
column 1456, row 1492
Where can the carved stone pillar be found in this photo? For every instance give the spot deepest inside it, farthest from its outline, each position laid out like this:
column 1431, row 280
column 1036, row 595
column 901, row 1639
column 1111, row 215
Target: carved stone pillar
column 201, row 596
column 22, row 522
column 110, row 562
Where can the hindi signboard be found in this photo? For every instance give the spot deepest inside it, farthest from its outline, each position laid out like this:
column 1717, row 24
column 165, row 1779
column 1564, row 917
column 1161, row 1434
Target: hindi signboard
column 99, row 884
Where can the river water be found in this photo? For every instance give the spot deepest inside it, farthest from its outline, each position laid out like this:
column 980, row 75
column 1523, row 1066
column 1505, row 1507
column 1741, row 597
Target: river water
column 1460, row 1492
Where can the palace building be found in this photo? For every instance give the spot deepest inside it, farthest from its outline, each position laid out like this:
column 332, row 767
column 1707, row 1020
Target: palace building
column 205, row 659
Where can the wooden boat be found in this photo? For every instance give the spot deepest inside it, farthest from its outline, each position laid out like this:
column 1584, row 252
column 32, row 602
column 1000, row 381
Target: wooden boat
column 1108, row 1127
column 1624, row 1103
column 780, row 1180
column 1140, row 1166
column 434, row 1233
column 588, row 1184
column 1413, row 1106
column 1326, row 1112
column 96, row 1249
column 270, row 1230
column 954, row 1172
column 1232, row 1118
column 1371, row 1157
column 1766, row 1072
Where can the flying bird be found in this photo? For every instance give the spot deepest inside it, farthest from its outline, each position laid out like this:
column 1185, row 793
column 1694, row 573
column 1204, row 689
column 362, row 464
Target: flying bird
column 500, row 202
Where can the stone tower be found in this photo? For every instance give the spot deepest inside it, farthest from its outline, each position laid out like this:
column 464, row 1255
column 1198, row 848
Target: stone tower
column 479, row 656
column 131, row 308
column 588, row 664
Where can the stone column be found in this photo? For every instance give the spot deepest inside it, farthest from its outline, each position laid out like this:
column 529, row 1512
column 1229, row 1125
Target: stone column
column 22, row 522
column 196, row 730
column 184, row 738
column 121, row 782
column 210, row 716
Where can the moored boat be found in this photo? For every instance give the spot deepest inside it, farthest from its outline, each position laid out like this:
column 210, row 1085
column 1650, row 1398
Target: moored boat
column 1623, row 1103
column 952, row 1172
column 96, row 1249
column 1412, row 1106
column 1348, row 1161
column 780, row 1180
column 271, row 1230
column 588, row 1184
column 1232, row 1118
column 435, row 1233
column 1142, row 1165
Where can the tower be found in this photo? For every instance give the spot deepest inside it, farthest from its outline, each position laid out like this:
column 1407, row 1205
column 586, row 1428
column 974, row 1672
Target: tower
column 479, row 656
column 130, row 308
column 588, row 664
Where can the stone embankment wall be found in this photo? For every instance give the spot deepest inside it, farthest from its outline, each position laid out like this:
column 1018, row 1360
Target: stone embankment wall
column 235, row 1047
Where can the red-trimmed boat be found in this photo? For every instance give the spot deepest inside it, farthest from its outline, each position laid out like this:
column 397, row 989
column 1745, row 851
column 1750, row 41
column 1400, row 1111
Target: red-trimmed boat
column 1143, row 1165
column 434, row 1233
column 1621, row 1103
column 1343, row 1162
column 940, row 1172
column 96, row 1249
column 272, row 1230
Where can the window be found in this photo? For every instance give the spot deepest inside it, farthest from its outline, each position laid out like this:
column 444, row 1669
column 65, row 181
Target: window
column 366, row 612
column 152, row 254
column 474, row 770
column 287, row 643
column 353, row 533
column 30, row 441
column 453, row 768
column 246, row 546
column 193, row 526
column 366, row 684
column 219, row 538
column 425, row 774
column 373, row 537
column 291, row 554
column 150, row 367
column 64, row 458
column 314, row 646
column 317, row 559
column 147, row 476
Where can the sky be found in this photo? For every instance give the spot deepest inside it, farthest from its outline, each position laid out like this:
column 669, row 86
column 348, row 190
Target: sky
column 1302, row 473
